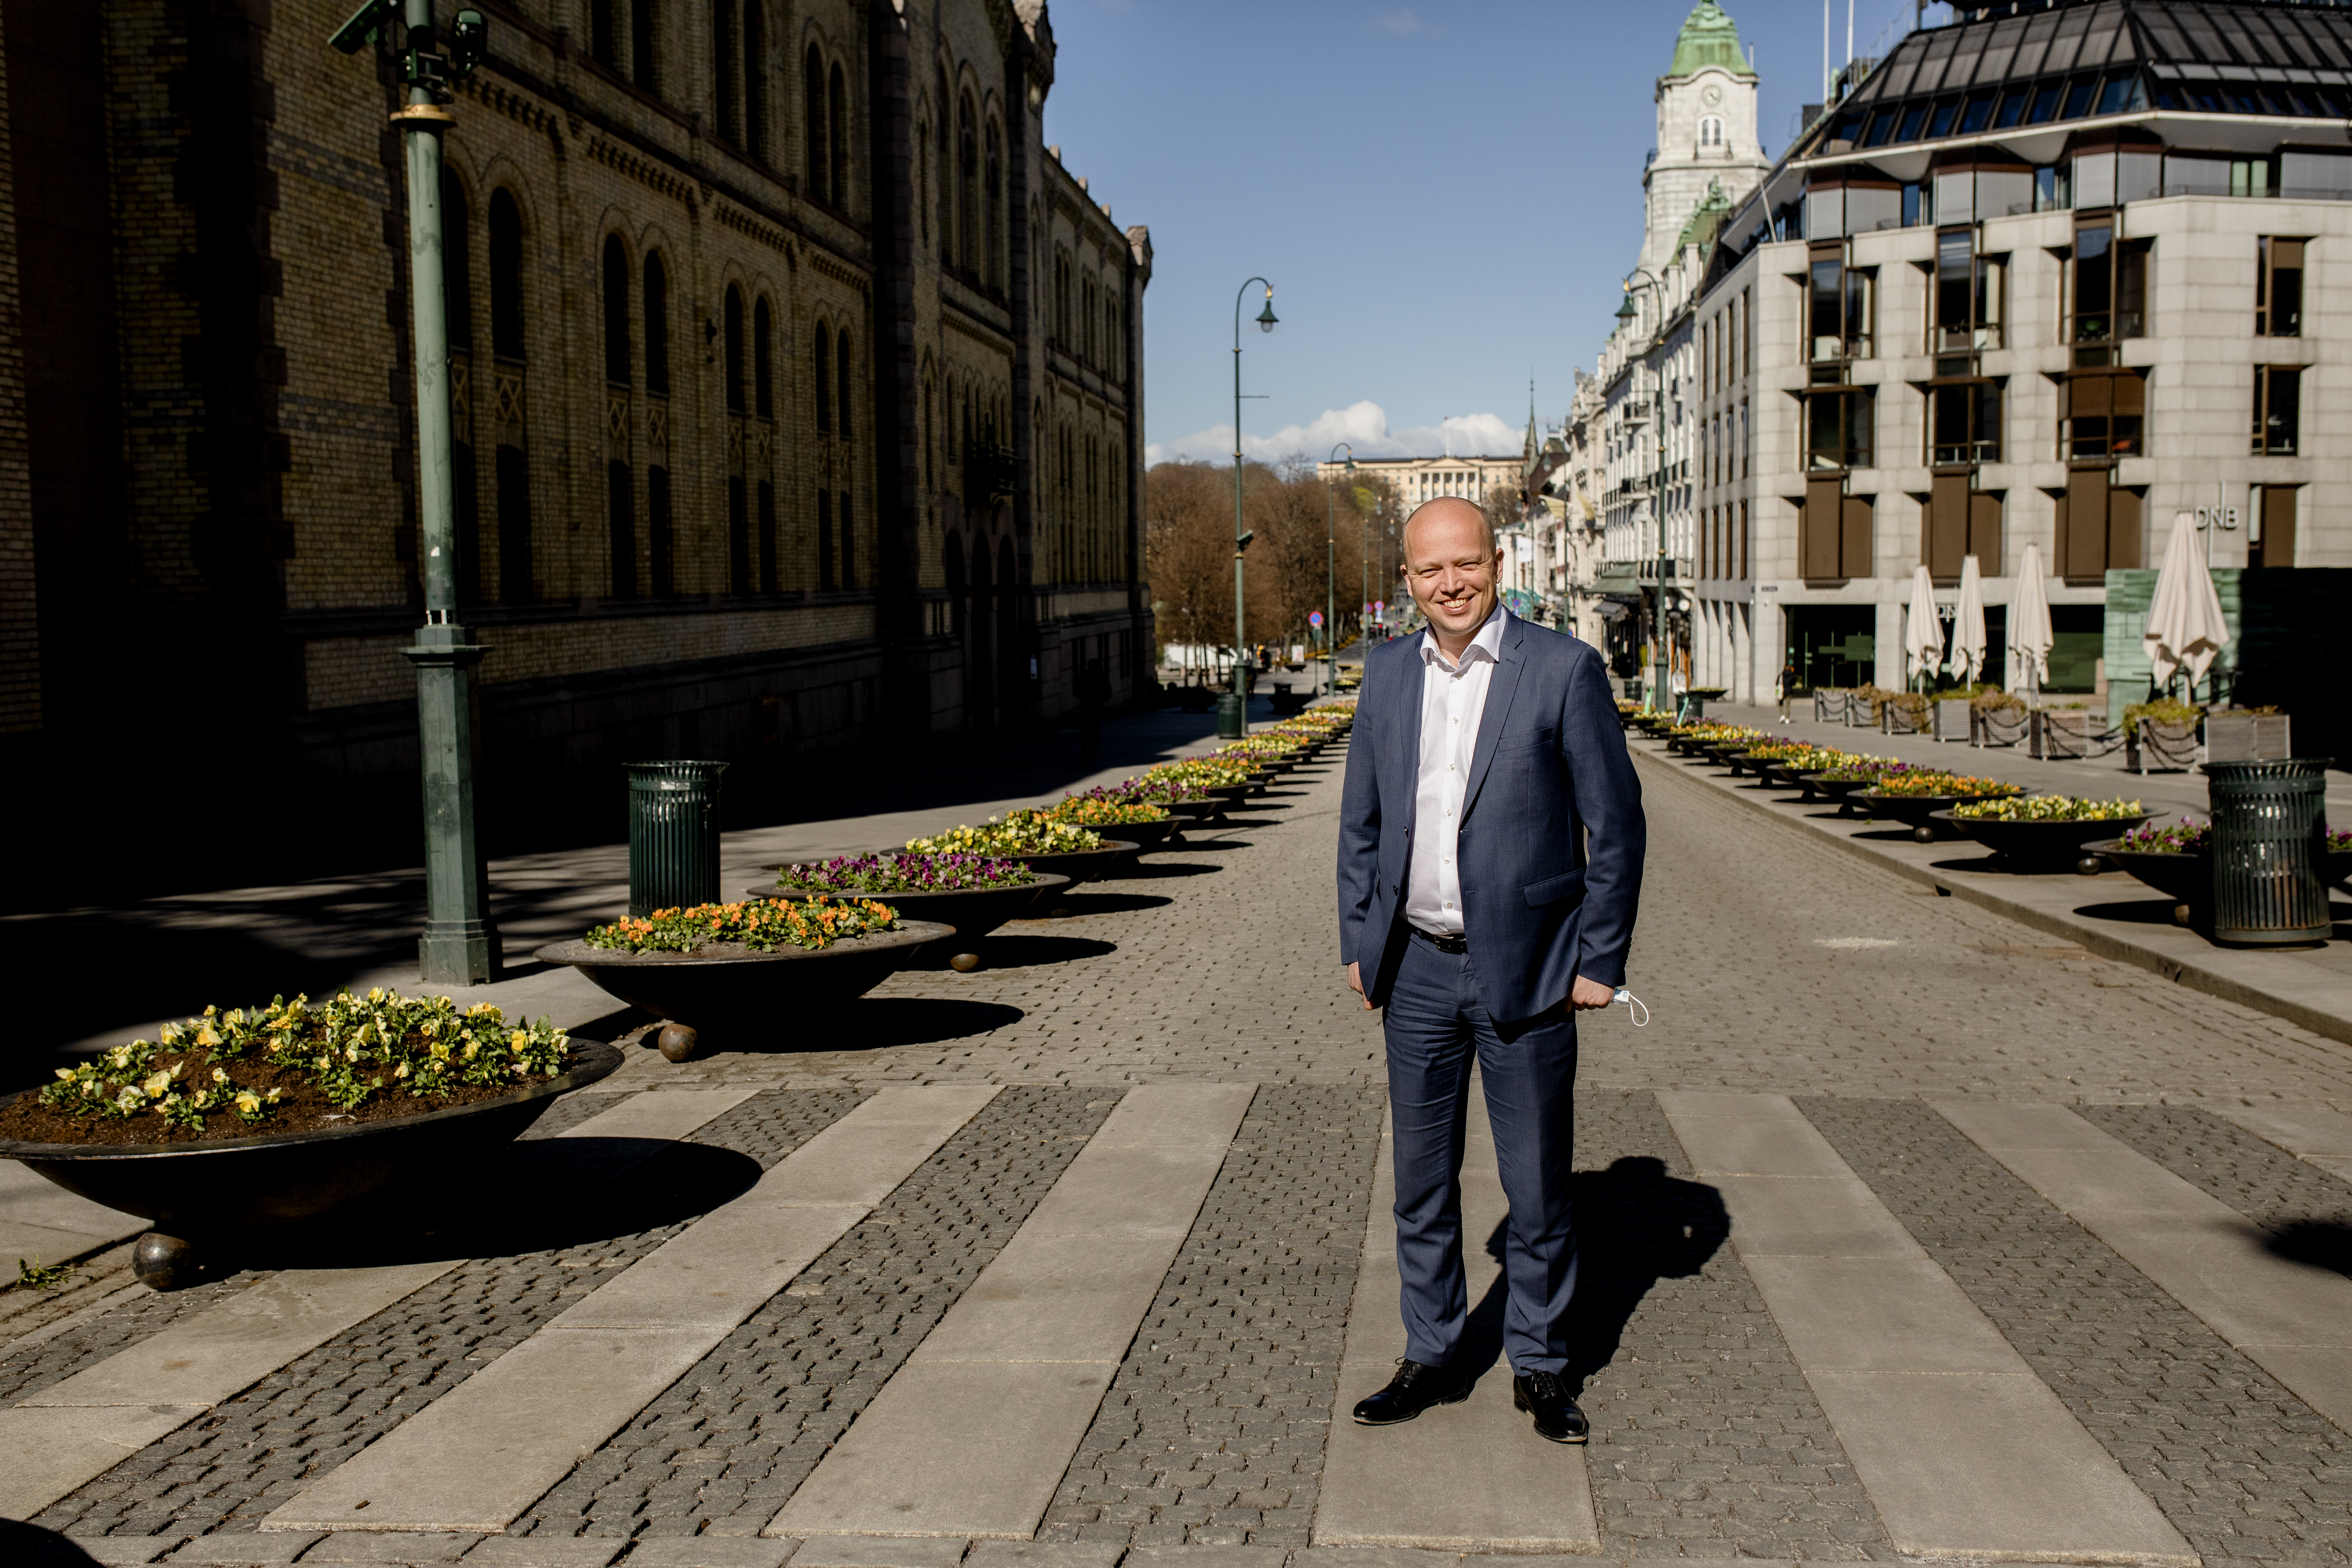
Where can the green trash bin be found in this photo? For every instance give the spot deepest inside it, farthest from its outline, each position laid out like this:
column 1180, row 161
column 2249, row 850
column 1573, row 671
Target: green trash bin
column 673, row 835
column 2270, row 831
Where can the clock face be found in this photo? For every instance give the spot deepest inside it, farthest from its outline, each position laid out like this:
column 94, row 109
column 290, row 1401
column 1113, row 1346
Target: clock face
column 1711, row 96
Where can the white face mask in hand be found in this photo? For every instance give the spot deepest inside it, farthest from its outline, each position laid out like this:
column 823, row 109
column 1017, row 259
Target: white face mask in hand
column 1634, row 1006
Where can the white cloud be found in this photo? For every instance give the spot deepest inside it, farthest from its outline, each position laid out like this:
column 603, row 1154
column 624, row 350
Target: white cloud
column 1400, row 20
column 1363, row 426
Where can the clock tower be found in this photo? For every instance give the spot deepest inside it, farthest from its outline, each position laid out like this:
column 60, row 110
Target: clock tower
column 1707, row 130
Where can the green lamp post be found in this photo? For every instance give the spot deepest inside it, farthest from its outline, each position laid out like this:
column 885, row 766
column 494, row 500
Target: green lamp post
column 460, row 942
column 1233, row 707
column 1331, row 576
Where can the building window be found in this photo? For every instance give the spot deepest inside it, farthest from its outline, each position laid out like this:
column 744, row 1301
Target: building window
column 967, row 190
column 621, row 528
column 2278, row 288
column 943, row 191
column 641, row 44
column 825, row 540
column 1834, row 533
column 506, row 277
column 722, row 69
column 2272, row 542
column 755, row 78
column 836, row 129
column 844, row 384
column 657, row 531
column 823, row 365
column 2278, row 409
column 617, row 312
column 1968, row 291
column 816, row 161
column 1839, row 307
column 1964, row 422
column 604, row 46
column 992, row 193
column 1710, row 133
column 734, row 350
column 656, row 326
column 2106, row 289
column 1838, row 429
column 2100, row 417
column 764, row 337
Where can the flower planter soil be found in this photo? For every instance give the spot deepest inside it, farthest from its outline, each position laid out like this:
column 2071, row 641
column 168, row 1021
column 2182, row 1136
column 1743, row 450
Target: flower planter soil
column 972, row 912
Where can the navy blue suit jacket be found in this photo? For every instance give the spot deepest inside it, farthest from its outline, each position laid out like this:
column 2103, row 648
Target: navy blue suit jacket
column 1551, row 838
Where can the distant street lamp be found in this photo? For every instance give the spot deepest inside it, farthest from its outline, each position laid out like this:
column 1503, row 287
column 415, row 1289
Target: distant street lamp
column 1233, row 708
column 1331, row 576
column 1662, row 692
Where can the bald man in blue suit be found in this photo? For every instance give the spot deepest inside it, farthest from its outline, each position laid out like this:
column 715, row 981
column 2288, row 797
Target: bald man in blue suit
column 1490, row 866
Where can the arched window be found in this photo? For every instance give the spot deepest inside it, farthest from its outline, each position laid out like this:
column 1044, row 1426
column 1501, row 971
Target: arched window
column 816, row 161
column 617, row 312
column 763, row 339
column 734, row 312
column 1087, row 320
column 456, row 261
column 1710, row 133
column 824, row 364
column 755, row 78
column 836, row 126
column 506, row 277
column 641, row 44
column 656, row 325
column 992, row 191
column 967, row 189
column 845, row 370
column 722, row 70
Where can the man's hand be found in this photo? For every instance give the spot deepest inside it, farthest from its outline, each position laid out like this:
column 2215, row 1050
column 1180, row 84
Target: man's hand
column 1584, row 995
column 1356, row 985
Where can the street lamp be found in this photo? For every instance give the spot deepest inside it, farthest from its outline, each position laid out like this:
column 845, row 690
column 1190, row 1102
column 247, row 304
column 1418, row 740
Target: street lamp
column 1233, row 708
column 1331, row 576
column 460, row 942
column 1662, row 691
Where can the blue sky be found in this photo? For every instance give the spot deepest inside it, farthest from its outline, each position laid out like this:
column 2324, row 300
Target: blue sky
column 1444, row 196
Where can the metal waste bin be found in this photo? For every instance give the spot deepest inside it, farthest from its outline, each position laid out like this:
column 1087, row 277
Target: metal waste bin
column 673, row 835
column 2270, row 827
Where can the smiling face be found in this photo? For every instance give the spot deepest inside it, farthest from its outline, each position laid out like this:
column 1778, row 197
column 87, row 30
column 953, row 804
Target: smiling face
column 1451, row 565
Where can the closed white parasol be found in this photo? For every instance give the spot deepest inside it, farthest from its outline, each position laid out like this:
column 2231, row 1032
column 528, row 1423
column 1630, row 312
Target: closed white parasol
column 2185, row 629
column 1968, row 626
column 2029, row 637
column 1923, row 634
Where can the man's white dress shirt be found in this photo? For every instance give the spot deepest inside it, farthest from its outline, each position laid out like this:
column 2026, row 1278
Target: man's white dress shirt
column 1452, row 701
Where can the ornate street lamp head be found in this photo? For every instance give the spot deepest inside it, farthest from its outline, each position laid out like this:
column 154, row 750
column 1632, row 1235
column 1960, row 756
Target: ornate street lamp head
column 1266, row 318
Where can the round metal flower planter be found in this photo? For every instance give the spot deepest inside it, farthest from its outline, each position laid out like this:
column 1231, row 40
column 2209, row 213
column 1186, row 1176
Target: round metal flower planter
column 727, row 990
column 1081, row 865
column 2039, row 846
column 274, row 1180
column 1917, row 812
column 2186, row 879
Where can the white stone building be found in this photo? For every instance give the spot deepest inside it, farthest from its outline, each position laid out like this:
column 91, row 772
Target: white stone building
column 1418, row 479
column 2050, row 275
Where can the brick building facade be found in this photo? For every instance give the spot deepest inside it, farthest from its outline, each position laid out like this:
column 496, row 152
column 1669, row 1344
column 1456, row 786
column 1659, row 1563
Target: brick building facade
column 793, row 378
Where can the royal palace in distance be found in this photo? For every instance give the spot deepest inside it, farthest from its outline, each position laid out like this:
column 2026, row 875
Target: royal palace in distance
column 796, row 385
column 2052, row 273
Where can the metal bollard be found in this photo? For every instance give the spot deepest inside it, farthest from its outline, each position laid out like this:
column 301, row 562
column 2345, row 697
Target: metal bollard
column 673, row 835
column 2270, row 827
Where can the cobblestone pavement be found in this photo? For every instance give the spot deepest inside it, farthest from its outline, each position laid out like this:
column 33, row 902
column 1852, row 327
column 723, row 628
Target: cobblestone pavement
column 1771, row 964
column 722, row 1449
column 2242, row 1468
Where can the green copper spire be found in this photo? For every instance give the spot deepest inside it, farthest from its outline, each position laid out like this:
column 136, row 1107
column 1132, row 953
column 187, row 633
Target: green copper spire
column 1709, row 38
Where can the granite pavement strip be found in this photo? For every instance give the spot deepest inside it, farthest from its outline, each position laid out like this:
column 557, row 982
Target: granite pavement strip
column 1772, row 967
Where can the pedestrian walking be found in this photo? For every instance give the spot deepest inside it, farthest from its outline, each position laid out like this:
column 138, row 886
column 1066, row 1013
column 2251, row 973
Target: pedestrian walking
column 1491, row 839
column 1785, row 692
column 1093, row 692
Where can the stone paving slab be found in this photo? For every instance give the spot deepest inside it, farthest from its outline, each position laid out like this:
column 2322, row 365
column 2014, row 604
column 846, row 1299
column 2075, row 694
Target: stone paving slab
column 1467, row 1476
column 43, row 1223
column 482, row 1454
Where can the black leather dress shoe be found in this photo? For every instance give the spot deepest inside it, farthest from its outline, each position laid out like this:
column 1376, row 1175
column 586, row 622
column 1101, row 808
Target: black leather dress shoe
column 1544, row 1397
column 1414, row 1389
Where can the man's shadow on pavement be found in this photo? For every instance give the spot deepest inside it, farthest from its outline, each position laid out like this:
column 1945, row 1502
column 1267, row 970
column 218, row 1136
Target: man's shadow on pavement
column 1636, row 1225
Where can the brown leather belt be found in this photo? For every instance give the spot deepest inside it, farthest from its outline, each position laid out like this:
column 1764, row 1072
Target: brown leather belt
column 1456, row 945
